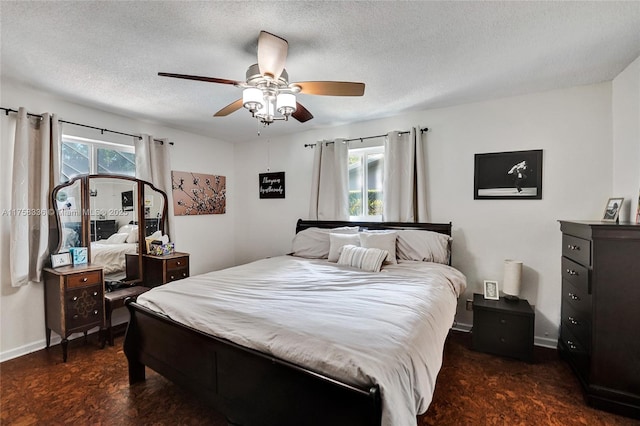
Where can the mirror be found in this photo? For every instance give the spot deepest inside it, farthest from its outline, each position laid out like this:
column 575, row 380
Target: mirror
column 103, row 213
column 67, row 201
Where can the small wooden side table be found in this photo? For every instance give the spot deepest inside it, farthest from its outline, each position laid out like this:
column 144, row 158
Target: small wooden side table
column 503, row 328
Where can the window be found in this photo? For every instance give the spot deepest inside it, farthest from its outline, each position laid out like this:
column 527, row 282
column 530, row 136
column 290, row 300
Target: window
column 366, row 173
column 81, row 156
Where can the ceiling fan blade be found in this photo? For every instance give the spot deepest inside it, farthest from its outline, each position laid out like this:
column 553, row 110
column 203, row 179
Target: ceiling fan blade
column 195, row 77
column 302, row 114
column 232, row 107
column 331, row 88
column 272, row 54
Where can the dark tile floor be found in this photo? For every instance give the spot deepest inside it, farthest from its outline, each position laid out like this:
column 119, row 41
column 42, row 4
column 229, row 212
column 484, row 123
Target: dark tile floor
column 472, row 389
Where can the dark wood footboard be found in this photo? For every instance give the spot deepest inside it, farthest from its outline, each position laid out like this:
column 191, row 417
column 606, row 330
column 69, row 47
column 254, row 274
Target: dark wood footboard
column 247, row 386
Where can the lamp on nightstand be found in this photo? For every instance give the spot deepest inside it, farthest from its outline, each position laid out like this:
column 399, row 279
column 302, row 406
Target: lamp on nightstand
column 512, row 280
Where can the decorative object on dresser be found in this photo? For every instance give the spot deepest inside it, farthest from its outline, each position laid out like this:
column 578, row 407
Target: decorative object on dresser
column 511, row 175
column 503, row 328
column 491, row 290
column 160, row 270
column 74, row 301
column 512, row 279
column 599, row 330
column 61, row 259
column 612, row 209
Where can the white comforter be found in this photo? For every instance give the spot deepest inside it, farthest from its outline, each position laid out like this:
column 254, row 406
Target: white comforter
column 362, row 328
column 111, row 256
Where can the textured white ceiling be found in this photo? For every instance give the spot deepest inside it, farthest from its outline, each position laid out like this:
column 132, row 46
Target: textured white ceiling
column 411, row 55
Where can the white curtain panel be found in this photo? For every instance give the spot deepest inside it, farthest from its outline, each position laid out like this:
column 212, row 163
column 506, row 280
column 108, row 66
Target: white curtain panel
column 330, row 181
column 405, row 177
column 153, row 165
column 31, row 183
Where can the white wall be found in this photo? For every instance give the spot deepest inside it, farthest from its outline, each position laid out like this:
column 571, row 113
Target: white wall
column 208, row 238
column 626, row 139
column 572, row 126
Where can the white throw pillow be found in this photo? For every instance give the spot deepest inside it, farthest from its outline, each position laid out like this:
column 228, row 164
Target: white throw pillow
column 117, row 238
column 132, row 236
column 425, row 246
column 367, row 259
column 313, row 243
column 337, row 241
column 383, row 240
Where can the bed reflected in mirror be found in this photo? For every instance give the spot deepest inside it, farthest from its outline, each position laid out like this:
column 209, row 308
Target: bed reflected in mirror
column 113, row 224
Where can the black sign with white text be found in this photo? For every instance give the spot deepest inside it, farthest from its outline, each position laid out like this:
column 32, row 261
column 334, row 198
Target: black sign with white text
column 271, row 185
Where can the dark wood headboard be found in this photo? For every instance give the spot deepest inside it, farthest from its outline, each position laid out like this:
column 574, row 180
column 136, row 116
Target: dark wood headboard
column 442, row 228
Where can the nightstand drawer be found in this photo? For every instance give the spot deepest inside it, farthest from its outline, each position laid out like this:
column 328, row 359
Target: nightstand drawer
column 84, row 306
column 84, row 279
column 577, row 249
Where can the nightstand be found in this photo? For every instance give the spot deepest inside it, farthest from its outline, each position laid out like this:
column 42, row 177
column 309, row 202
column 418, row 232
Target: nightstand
column 503, row 328
column 74, row 301
column 160, row 270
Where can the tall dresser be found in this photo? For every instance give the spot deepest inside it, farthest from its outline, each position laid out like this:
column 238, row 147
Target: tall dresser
column 600, row 326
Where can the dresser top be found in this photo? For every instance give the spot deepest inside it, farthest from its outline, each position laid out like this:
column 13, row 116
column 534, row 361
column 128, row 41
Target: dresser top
column 72, row 269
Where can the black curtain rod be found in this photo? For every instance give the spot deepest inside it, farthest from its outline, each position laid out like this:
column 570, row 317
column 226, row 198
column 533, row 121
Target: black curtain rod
column 8, row 110
column 422, row 130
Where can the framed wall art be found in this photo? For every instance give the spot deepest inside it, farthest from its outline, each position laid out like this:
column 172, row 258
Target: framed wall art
column 271, row 185
column 198, row 193
column 514, row 175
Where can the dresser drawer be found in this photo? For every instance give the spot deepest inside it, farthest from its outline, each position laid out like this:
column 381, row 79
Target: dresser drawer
column 83, row 279
column 178, row 263
column 577, row 249
column 580, row 300
column 576, row 274
column 573, row 350
column 578, row 323
column 84, row 306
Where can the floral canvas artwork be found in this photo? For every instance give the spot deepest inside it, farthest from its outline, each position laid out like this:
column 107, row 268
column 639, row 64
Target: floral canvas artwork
column 197, row 193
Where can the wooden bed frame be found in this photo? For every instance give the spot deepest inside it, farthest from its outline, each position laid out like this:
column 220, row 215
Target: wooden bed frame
column 247, row 386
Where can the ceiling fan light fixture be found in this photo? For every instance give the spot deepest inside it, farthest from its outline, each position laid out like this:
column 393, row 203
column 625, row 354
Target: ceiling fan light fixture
column 286, row 104
column 252, row 99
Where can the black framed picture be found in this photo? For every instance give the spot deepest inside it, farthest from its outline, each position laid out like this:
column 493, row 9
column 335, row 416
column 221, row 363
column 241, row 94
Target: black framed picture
column 271, row 185
column 515, row 175
column 127, row 201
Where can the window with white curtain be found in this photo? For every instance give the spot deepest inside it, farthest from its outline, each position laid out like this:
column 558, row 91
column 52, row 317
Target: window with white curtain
column 81, row 156
column 366, row 173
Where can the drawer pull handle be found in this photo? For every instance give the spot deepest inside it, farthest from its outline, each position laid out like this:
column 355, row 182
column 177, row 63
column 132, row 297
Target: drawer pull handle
column 502, row 340
column 75, row 316
column 503, row 321
column 74, row 299
column 571, row 272
column 573, row 321
column 172, row 278
column 85, row 279
column 571, row 345
column 573, row 247
column 573, row 296
column 184, row 274
column 95, row 293
column 178, row 263
column 95, row 312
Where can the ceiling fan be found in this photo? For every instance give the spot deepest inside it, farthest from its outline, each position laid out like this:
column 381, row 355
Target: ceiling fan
column 267, row 93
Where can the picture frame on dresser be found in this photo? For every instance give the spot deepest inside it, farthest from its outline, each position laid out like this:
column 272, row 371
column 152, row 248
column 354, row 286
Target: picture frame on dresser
column 60, row 259
column 491, row 291
column 612, row 209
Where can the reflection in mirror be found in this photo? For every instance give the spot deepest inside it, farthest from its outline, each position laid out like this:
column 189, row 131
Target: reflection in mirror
column 113, row 224
column 154, row 205
column 68, row 202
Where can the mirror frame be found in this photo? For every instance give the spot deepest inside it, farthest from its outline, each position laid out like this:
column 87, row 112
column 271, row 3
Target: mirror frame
column 85, row 220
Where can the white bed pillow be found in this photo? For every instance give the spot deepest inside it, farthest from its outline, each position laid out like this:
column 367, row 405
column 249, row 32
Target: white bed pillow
column 383, row 240
column 313, row 243
column 367, row 259
column 425, row 246
column 132, row 236
column 117, row 238
column 337, row 241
